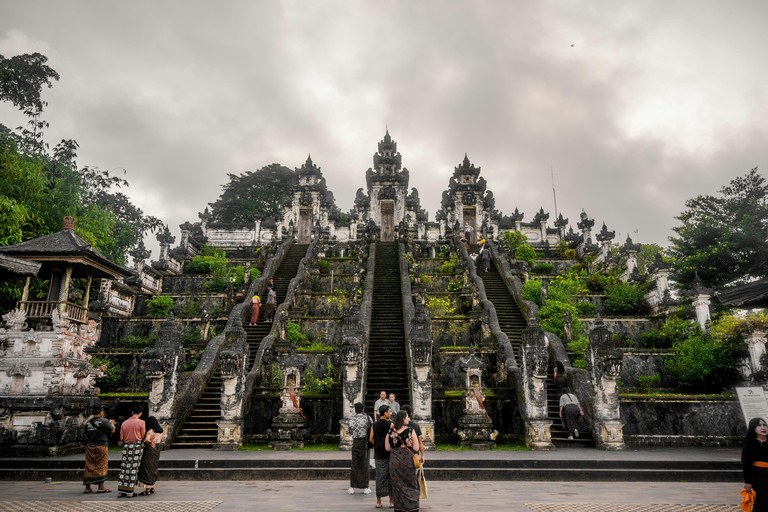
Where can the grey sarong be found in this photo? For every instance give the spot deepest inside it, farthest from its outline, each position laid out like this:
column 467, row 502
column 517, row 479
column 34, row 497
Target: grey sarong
column 382, row 478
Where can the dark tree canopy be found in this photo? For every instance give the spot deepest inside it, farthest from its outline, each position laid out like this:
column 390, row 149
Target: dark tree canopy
column 253, row 193
column 723, row 237
column 22, row 79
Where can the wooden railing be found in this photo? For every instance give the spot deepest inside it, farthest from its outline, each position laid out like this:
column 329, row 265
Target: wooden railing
column 43, row 309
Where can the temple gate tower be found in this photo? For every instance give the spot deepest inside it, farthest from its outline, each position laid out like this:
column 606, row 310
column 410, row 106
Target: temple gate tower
column 468, row 203
column 309, row 203
column 387, row 190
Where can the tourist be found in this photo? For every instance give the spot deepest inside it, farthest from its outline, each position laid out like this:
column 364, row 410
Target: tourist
column 473, row 256
column 417, row 429
column 393, row 404
column 378, row 437
column 359, row 427
column 132, row 433
column 378, row 403
column 255, row 304
column 561, row 378
column 468, row 231
column 151, row 457
column 269, row 309
column 271, row 284
column 402, row 445
column 485, row 258
column 97, row 431
column 754, row 462
column 571, row 413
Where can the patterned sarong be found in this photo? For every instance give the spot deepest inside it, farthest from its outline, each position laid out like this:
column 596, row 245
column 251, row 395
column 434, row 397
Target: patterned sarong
column 149, row 463
column 382, row 478
column 96, row 465
column 361, row 469
column 129, row 466
column 405, row 484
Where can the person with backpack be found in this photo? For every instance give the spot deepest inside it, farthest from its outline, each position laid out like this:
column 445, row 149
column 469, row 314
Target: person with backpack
column 97, row 431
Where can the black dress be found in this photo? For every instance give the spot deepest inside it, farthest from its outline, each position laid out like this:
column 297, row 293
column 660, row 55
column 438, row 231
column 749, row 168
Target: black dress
column 754, row 451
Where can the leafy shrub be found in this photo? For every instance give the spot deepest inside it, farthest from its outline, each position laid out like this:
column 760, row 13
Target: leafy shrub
column 532, row 291
column 426, row 279
column 138, row 342
column 456, row 285
column 700, row 364
column 543, row 268
column 277, row 376
column 564, row 287
column 449, row 267
column 295, row 334
column 236, row 276
column 526, row 253
column 112, row 378
column 569, row 254
column 560, row 247
column 208, row 261
column 190, row 310
column 626, row 299
column 159, row 306
column 649, row 382
column 324, row 266
column 255, row 273
column 439, row 306
column 511, row 240
column 674, row 330
column 189, row 336
column 193, row 362
column 551, row 317
column 313, row 384
column 579, row 347
column 586, row 309
column 597, row 283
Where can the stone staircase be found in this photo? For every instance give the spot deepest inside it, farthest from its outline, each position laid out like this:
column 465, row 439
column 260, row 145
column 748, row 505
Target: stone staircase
column 200, row 430
column 512, row 323
column 387, row 361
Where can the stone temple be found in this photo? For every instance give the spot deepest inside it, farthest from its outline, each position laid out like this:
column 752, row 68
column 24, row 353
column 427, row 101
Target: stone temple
column 379, row 298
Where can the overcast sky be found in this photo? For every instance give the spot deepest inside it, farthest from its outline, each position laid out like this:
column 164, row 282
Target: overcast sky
column 635, row 106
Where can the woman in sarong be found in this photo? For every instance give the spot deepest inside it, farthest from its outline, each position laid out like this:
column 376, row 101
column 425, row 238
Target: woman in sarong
column 754, row 462
column 97, row 431
column 132, row 433
column 561, row 378
column 485, row 258
column 359, row 426
column 255, row 304
column 571, row 413
column 403, row 444
column 151, row 457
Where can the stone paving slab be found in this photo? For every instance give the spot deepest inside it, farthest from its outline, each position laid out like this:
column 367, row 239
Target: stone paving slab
column 331, row 496
column 640, row 454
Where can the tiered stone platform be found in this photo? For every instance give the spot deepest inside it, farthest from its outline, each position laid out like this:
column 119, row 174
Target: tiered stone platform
column 574, row 464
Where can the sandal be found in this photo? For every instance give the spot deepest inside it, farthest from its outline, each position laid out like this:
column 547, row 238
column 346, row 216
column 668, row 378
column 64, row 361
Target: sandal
column 105, row 490
column 145, row 493
column 87, row 491
column 152, row 490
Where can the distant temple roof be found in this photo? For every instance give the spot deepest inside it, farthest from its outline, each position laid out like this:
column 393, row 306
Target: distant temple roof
column 66, row 246
column 11, row 267
column 750, row 295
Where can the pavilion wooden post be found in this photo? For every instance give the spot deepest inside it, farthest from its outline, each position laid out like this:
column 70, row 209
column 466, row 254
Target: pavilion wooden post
column 64, row 290
column 87, row 295
column 25, row 293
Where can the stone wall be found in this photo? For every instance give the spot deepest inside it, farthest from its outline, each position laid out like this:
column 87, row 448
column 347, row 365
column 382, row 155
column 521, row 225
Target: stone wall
column 627, row 328
column 323, row 414
column 113, row 330
column 447, row 373
column 642, row 363
column 679, row 421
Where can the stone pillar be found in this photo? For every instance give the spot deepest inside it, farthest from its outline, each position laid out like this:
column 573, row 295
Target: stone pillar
column 233, row 358
column 420, row 339
column 701, row 303
column 604, row 364
column 25, row 293
column 756, row 344
column 535, row 363
column 630, row 250
column 163, row 365
column 352, row 374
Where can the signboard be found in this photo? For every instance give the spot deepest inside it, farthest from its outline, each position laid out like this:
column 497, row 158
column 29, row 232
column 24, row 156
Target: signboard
column 753, row 403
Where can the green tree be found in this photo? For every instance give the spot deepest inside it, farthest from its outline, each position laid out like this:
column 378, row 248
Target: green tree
column 22, row 79
column 723, row 237
column 253, row 193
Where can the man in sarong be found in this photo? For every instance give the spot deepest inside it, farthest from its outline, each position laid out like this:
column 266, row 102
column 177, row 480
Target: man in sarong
column 97, row 431
column 378, row 434
column 359, row 427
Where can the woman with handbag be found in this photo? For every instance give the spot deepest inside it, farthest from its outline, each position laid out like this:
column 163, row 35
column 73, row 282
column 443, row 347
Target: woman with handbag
column 403, row 447
column 150, row 460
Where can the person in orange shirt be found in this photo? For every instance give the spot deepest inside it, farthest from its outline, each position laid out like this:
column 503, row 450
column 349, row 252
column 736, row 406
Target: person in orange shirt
column 132, row 434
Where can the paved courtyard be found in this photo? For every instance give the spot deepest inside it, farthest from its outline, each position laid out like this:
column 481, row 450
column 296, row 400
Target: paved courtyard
column 219, row 496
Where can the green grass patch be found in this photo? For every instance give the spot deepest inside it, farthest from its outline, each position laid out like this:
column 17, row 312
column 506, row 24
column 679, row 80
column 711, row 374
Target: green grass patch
column 441, row 447
column 321, row 447
column 115, row 448
column 460, row 392
column 454, row 347
column 512, row 447
column 653, row 394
